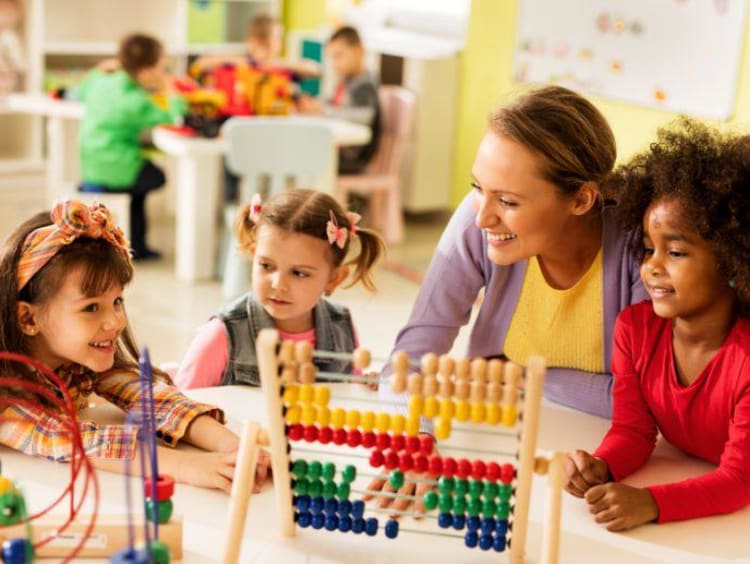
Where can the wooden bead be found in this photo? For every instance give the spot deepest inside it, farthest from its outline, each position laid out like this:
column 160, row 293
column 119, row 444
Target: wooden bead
column 289, row 374
column 412, row 426
column 368, row 421
column 303, row 351
column 510, row 415
column 398, row 424
column 324, row 416
column 478, row 412
column 309, row 414
column 431, row 406
column 429, row 386
column 493, row 413
column 293, row 414
column 541, row 465
column 478, row 390
column 416, row 406
column 446, row 365
column 400, row 362
column 513, row 374
column 291, row 394
column 322, row 395
column 494, row 392
column 414, row 383
column 306, row 393
column 338, row 418
column 353, row 417
column 429, row 364
column 463, row 369
column 462, row 389
column 263, row 438
column 443, row 428
column 398, row 382
column 510, row 395
column 495, row 370
column 382, row 422
column 361, row 359
column 447, row 408
column 307, row 372
column 286, row 352
column 446, row 388
column 463, row 410
column 479, row 369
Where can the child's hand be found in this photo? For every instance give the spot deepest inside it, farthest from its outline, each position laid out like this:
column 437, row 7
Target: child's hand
column 262, row 470
column 213, row 470
column 410, row 488
column 584, row 471
column 308, row 105
column 374, row 380
column 621, row 507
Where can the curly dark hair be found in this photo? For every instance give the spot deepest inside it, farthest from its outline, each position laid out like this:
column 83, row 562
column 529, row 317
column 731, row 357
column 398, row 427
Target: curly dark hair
column 708, row 172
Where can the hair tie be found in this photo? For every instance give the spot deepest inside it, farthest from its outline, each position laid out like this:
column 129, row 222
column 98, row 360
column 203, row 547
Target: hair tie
column 353, row 221
column 256, row 206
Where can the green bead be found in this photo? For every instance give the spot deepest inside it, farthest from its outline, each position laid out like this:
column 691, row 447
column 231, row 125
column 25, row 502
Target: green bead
column 163, row 510
column 344, row 490
column 314, row 470
column 12, row 508
column 328, row 471
column 490, row 490
column 503, row 510
column 459, row 504
column 301, row 486
column 445, row 503
column 299, row 468
column 504, row 491
column 475, row 488
column 446, row 485
column 462, row 487
column 329, row 490
column 474, row 507
column 159, row 552
column 396, row 480
column 349, row 474
column 315, row 489
column 488, row 508
column 430, row 500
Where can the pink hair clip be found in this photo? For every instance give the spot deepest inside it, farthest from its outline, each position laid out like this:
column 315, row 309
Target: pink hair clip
column 336, row 235
column 353, row 221
column 255, row 208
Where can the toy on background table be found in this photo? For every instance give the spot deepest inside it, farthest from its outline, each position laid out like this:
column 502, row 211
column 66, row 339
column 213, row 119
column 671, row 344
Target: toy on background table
column 319, row 452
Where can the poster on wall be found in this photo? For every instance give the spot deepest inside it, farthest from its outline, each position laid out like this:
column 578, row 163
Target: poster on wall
column 676, row 55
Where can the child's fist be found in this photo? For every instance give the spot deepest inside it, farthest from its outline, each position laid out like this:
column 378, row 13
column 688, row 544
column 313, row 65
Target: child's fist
column 584, row 471
column 620, row 507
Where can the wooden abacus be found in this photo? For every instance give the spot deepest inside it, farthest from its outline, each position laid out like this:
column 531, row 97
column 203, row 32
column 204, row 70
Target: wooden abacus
column 465, row 397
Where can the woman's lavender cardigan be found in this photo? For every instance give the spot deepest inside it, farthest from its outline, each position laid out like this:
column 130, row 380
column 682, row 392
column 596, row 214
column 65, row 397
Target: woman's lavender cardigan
column 461, row 268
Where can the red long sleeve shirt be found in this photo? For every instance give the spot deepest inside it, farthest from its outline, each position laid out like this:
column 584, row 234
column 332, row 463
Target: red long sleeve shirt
column 709, row 419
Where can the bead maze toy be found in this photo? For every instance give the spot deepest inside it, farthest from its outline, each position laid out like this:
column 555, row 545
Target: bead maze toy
column 480, row 500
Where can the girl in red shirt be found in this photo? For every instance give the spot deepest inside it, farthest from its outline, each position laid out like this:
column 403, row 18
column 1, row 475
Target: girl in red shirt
column 682, row 360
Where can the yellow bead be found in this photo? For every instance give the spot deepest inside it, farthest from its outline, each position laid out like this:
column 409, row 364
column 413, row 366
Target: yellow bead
column 443, row 428
column 447, row 408
column 510, row 415
column 306, row 393
column 6, row 485
column 352, row 419
column 291, row 394
column 398, row 424
column 493, row 413
column 308, row 414
column 412, row 426
column 322, row 395
column 293, row 414
column 416, row 406
column 324, row 416
column 338, row 418
column 462, row 410
column 477, row 412
column 383, row 422
column 431, row 406
column 368, row 421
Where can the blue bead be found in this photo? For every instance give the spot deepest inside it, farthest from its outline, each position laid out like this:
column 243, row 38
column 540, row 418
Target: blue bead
column 459, row 521
column 124, row 556
column 471, row 539
column 391, row 529
column 345, row 523
column 358, row 509
column 304, row 519
column 371, row 527
column 499, row 543
column 17, row 551
column 485, row 542
column 317, row 504
column 331, row 506
column 303, row 503
column 502, row 527
column 332, row 523
column 358, row 525
column 472, row 523
column 345, row 507
column 487, row 525
column 318, row 520
column 445, row 520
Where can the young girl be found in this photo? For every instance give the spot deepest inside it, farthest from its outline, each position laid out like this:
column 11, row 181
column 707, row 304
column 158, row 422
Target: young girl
column 682, row 360
column 61, row 286
column 299, row 242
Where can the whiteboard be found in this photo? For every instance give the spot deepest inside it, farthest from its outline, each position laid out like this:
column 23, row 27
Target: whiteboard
column 677, row 55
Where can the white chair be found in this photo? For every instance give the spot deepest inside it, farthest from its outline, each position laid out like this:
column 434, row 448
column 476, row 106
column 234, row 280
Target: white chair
column 286, row 153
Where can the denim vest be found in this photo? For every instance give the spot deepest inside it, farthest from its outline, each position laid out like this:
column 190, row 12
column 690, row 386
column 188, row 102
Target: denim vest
column 245, row 318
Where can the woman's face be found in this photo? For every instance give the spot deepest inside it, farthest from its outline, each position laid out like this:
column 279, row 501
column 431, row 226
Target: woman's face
column 523, row 214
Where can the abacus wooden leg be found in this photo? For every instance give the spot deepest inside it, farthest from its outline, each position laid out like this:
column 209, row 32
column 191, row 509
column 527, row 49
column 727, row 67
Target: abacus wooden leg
column 532, row 402
column 242, row 487
column 553, row 510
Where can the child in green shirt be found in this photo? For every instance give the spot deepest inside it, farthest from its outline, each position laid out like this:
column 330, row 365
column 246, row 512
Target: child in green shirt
column 118, row 110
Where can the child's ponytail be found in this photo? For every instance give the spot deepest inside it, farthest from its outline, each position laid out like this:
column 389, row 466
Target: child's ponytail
column 371, row 249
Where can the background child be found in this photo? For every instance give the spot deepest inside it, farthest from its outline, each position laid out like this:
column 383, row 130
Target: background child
column 61, row 286
column 11, row 57
column 118, row 111
column 681, row 361
column 299, row 242
column 355, row 98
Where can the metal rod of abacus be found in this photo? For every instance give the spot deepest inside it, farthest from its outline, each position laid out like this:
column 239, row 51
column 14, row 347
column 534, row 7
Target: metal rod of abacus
column 350, row 356
column 505, row 453
column 401, row 513
column 392, row 495
column 336, row 377
column 329, row 452
column 385, row 477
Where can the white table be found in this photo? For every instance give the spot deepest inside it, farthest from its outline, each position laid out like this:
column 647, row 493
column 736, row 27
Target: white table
column 722, row 539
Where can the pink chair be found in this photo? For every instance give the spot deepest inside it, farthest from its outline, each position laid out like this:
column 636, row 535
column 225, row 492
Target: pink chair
column 381, row 177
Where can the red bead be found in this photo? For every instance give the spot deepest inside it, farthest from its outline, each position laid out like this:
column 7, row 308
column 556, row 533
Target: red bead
column 383, row 441
column 507, row 473
column 391, row 460
column 339, row 436
column 421, row 464
column 449, row 467
column 426, row 444
column 164, row 487
column 354, row 438
column 493, row 471
column 478, row 470
column 405, row 462
column 295, row 432
column 464, row 468
column 325, row 434
column 311, row 433
column 368, row 439
column 412, row 444
column 398, row 442
column 435, row 465
column 376, row 459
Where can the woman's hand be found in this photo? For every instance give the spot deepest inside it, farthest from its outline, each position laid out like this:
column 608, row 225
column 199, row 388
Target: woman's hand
column 374, row 380
column 584, row 471
column 620, row 507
